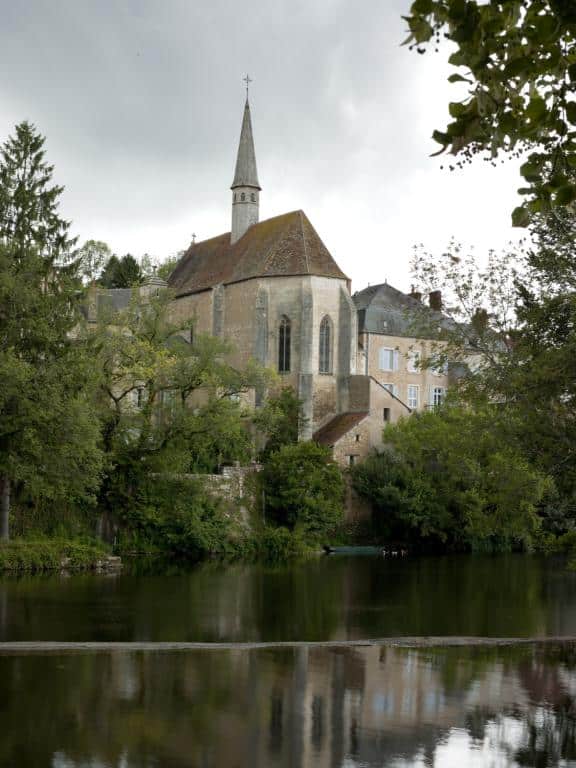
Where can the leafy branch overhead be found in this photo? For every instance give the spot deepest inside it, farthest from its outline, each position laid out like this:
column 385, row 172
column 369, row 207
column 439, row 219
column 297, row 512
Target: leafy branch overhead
column 518, row 59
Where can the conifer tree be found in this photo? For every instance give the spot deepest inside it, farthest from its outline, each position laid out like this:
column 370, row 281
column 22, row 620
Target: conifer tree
column 121, row 273
column 29, row 215
column 48, row 432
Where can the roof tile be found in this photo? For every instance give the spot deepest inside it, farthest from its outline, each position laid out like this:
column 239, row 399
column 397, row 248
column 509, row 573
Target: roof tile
column 281, row 246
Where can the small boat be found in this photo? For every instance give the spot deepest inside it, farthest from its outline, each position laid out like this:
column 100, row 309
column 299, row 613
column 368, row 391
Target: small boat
column 354, row 550
column 383, row 551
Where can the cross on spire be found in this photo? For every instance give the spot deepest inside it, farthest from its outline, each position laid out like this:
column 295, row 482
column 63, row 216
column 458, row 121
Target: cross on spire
column 247, row 80
column 193, row 238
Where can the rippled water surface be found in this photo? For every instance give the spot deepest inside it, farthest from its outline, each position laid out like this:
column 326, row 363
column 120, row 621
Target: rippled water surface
column 352, row 708
column 319, row 599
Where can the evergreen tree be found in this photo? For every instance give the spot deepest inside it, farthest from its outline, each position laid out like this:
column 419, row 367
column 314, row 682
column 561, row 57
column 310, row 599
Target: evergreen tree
column 48, row 432
column 108, row 276
column 121, row 273
column 29, row 215
column 128, row 272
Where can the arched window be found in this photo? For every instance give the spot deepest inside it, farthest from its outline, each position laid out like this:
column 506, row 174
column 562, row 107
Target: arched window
column 253, row 197
column 243, row 197
column 284, row 345
column 325, row 356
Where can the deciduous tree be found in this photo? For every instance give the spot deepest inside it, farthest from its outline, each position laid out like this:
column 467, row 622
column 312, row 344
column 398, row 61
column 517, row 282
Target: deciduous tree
column 517, row 61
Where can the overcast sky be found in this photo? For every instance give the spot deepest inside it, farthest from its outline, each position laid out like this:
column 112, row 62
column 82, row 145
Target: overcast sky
column 141, row 104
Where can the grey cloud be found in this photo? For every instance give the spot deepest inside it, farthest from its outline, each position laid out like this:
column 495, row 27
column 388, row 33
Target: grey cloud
column 141, row 103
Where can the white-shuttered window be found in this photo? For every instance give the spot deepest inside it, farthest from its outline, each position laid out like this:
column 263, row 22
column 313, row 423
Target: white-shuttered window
column 388, row 359
column 413, row 396
column 437, row 395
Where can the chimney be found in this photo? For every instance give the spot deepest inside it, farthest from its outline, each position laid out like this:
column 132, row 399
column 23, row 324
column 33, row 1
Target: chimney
column 480, row 321
column 435, row 300
column 415, row 294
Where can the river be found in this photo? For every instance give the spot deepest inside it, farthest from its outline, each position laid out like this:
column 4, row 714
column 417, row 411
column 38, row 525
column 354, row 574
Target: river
column 308, row 705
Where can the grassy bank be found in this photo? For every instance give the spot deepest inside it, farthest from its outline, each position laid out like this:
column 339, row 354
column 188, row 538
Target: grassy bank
column 51, row 555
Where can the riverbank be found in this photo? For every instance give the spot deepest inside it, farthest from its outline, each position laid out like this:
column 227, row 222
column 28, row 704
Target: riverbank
column 35, row 555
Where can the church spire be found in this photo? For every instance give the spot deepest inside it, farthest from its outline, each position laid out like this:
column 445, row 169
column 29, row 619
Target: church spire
column 245, row 187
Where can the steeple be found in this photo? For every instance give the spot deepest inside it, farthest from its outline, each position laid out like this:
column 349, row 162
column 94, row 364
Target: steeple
column 245, row 187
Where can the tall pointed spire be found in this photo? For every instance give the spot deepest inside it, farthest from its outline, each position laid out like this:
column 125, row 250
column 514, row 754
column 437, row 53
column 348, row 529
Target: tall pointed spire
column 245, row 187
column 246, row 174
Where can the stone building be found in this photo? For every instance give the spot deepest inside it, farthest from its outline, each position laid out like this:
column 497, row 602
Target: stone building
column 389, row 350
column 275, row 292
column 273, row 289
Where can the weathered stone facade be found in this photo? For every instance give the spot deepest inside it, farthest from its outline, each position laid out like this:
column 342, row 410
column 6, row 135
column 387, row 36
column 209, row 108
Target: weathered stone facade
column 235, row 489
column 273, row 290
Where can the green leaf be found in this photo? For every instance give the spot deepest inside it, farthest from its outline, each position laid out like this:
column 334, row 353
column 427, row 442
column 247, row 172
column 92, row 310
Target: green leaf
column 536, row 109
column 520, row 217
column 530, row 171
column 422, row 6
column 441, row 138
column 420, row 28
column 565, row 195
column 458, row 79
column 456, row 109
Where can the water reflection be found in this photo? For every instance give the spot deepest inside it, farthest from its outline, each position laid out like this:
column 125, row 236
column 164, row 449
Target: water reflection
column 305, row 707
column 318, row 599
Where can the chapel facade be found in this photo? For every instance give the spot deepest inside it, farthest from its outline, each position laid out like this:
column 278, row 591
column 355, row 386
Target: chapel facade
column 275, row 292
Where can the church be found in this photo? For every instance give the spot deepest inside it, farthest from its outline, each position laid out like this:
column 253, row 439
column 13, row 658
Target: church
column 274, row 291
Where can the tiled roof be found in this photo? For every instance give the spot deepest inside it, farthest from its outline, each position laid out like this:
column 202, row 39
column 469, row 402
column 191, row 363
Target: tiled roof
column 330, row 433
column 384, row 309
column 281, row 246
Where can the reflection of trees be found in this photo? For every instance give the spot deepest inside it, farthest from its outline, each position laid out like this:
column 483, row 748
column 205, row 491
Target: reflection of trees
column 464, row 595
column 314, row 599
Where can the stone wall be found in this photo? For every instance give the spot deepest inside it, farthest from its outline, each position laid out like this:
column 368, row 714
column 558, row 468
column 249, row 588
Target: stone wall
column 233, row 487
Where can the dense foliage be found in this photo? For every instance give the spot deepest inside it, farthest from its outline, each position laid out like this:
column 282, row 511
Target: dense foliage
column 454, row 478
column 512, row 332
column 279, row 420
column 518, row 59
column 48, row 429
column 303, row 489
column 124, row 272
column 166, row 403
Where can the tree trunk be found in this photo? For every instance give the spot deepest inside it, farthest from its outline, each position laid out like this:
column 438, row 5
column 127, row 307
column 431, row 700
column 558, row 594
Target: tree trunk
column 5, row 510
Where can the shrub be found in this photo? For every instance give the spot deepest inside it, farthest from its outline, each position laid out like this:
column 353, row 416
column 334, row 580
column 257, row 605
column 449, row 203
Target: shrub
column 49, row 554
column 304, row 489
column 170, row 514
column 456, row 479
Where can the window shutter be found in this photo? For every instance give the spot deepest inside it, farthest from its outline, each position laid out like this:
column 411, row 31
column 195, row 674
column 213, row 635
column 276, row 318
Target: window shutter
column 396, row 357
